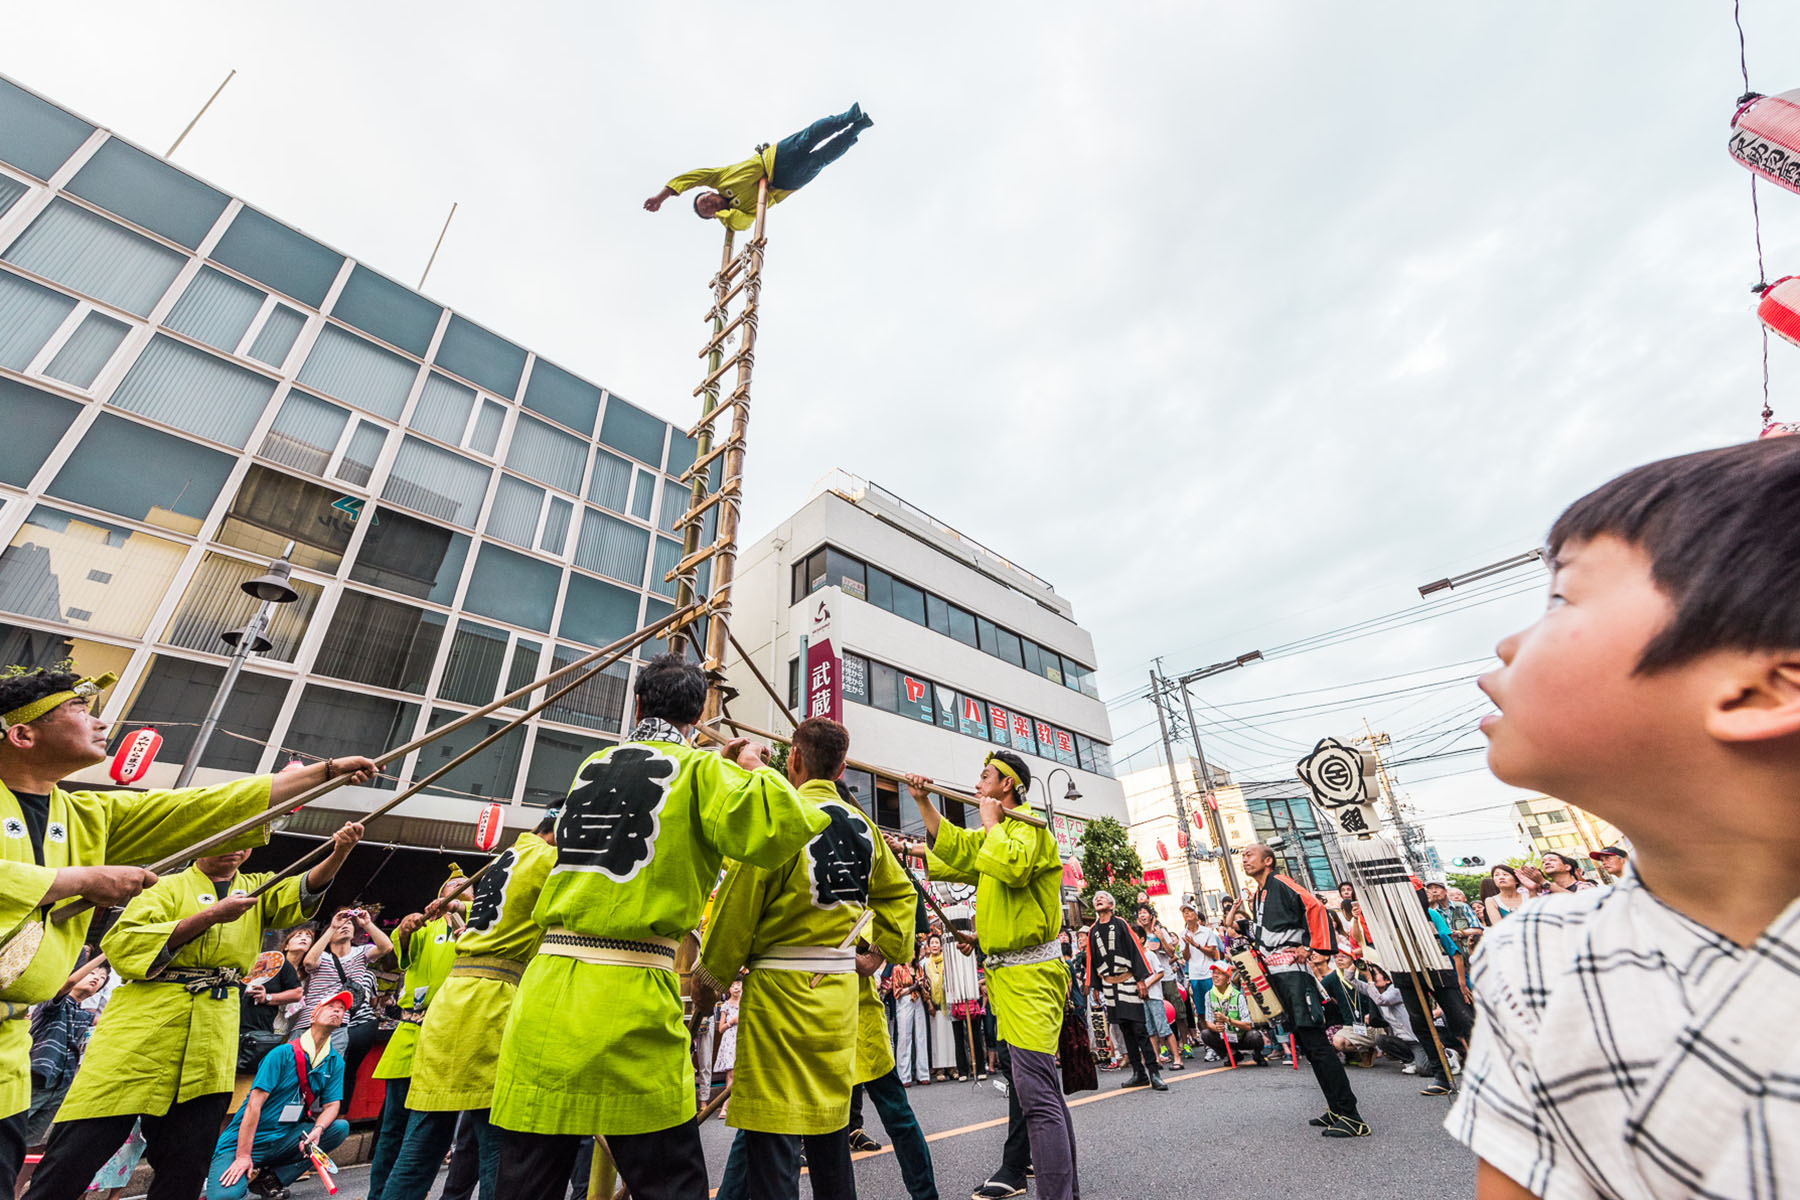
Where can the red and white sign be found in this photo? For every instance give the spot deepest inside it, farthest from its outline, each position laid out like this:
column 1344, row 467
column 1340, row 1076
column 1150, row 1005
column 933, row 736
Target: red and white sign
column 1021, row 727
column 1064, row 743
column 915, row 689
column 1046, row 736
column 971, row 710
column 824, row 669
column 135, row 755
column 998, row 716
column 1155, row 883
column 489, row 828
column 1068, row 836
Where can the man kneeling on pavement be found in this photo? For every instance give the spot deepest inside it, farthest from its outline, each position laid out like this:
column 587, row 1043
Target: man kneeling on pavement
column 292, row 1107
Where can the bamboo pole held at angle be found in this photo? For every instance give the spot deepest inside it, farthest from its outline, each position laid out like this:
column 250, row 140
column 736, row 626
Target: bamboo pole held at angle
column 686, row 581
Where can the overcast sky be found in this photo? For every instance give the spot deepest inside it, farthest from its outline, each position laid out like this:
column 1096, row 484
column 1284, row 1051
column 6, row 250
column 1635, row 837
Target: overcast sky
column 1236, row 322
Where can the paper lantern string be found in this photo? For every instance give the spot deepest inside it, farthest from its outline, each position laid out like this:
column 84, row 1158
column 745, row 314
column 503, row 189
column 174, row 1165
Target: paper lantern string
column 1762, row 275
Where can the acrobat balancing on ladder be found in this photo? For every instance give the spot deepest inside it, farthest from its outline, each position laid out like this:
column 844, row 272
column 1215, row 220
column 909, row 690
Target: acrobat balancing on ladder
column 790, row 165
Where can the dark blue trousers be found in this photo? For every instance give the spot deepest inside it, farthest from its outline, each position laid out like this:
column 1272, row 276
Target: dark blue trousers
column 428, row 1138
column 800, row 157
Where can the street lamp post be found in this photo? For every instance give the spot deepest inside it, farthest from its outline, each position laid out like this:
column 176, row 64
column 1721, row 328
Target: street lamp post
column 1069, row 796
column 272, row 587
column 1455, row 581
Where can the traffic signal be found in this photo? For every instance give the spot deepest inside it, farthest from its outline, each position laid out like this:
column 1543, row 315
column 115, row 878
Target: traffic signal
column 1474, row 860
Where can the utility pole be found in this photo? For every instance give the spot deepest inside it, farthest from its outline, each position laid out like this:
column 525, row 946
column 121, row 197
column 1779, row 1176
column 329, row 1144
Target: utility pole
column 1157, row 697
column 1209, row 799
column 1411, row 837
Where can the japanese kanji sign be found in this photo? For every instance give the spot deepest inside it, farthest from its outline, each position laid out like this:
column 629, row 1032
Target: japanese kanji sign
column 840, row 859
column 614, row 812
column 824, row 669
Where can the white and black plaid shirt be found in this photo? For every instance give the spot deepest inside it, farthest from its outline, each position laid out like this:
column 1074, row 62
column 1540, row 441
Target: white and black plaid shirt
column 1623, row 1050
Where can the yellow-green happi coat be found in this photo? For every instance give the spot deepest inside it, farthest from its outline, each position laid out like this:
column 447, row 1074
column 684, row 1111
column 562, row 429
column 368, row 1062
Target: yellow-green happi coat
column 874, row 1048
column 593, row 1048
column 159, row 1044
column 737, row 183
column 425, row 964
column 91, row 829
column 1017, row 874
column 459, row 1043
column 797, row 1044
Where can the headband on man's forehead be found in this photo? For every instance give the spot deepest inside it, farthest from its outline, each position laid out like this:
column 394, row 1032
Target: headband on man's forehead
column 27, row 713
column 1005, row 768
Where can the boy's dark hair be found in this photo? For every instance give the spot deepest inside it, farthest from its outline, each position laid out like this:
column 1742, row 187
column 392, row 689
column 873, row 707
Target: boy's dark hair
column 1722, row 529
column 16, row 691
column 822, row 743
column 1018, row 765
column 672, row 688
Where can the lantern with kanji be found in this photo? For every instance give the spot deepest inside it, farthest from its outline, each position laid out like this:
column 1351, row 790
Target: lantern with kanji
column 489, row 827
column 1765, row 136
column 1780, row 308
column 1162, row 849
column 1181, row 839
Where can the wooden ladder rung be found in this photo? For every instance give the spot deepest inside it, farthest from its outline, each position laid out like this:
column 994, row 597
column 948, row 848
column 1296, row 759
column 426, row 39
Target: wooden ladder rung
column 697, row 513
column 696, row 558
column 718, row 339
column 724, row 302
column 712, row 413
column 725, row 366
column 705, row 460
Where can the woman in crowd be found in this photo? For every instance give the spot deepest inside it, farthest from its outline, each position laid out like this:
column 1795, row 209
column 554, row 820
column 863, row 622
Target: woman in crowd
column 912, row 1043
column 726, row 1057
column 1509, row 894
column 294, row 945
column 337, row 962
column 943, row 1033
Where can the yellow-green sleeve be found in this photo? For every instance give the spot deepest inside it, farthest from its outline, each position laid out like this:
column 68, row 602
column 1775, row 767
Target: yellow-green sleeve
column 737, row 910
column 753, row 816
column 895, row 904
column 136, row 942
column 952, row 856
column 409, row 950
column 698, row 177
column 280, row 906
column 22, row 887
column 143, row 826
column 1010, row 852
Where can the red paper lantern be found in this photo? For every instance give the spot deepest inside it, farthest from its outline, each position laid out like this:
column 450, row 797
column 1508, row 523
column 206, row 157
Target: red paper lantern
column 1765, row 136
column 1780, row 308
column 1181, row 838
column 1162, row 849
column 489, row 828
column 135, row 756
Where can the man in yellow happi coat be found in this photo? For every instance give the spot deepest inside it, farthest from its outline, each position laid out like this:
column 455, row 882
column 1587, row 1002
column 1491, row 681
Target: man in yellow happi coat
column 596, row 1043
column 790, row 165
column 797, row 1044
column 57, row 844
column 459, row 1044
column 426, row 947
column 1017, row 874
column 165, row 1051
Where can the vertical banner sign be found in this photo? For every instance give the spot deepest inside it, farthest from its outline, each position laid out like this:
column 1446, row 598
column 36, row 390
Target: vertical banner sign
column 1156, row 883
column 824, row 683
column 1068, row 836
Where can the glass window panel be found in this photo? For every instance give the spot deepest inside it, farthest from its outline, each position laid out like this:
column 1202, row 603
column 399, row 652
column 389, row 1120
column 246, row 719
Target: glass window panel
column 35, row 135
column 675, row 501
column 815, row 570
column 972, row 717
column 88, row 350
column 1065, row 748
column 29, row 314
column 358, row 464
column 437, row 482
column 90, row 254
column 915, row 698
column 547, row 454
column 881, row 589
column 611, row 482
column 1011, row 650
column 269, row 252
column 909, row 602
column 513, row 588
column 480, row 356
column 526, row 656
column 683, row 450
column 305, row 433
column 215, row 603
column 1034, row 661
column 861, row 785
column 216, row 309
column 845, row 572
column 556, row 525
column 668, row 553
column 351, row 368
column 486, row 437
column 443, row 409
column 613, row 548
column 380, row 642
column 1053, row 668
column 143, row 473
column 1084, row 752
column 174, row 698
column 962, row 626
column 884, row 687
column 147, row 191
column 597, row 613
column 329, row 723
column 413, row 557
column 10, row 191
column 937, row 614
column 555, row 758
column 272, row 509
column 513, row 517
column 856, row 679
column 113, row 577
column 656, row 610
column 35, row 421
column 644, row 498
column 394, row 313
column 192, row 390
column 490, row 775
column 276, row 338
column 597, row 704
column 633, row 431
column 34, row 648
column 945, row 703
column 793, row 686
column 472, row 668
column 1103, row 760
column 989, row 636
column 562, row 397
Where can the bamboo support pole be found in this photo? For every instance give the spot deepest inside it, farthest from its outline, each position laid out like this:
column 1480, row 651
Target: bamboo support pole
column 780, row 704
column 686, row 585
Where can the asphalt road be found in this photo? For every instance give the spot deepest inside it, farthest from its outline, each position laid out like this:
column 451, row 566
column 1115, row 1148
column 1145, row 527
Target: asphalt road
column 1239, row 1133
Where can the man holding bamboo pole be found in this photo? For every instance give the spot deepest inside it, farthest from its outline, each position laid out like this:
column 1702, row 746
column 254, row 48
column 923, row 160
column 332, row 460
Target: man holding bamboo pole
column 1017, row 874
column 166, row 1049
column 798, row 1039
column 57, row 844
column 595, row 1043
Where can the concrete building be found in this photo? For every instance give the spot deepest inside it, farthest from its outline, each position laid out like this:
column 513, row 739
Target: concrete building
column 930, row 647
column 188, row 384
column 1544, row 823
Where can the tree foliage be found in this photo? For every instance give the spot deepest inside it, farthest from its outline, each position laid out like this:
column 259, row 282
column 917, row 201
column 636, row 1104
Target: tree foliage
column 1109, row 863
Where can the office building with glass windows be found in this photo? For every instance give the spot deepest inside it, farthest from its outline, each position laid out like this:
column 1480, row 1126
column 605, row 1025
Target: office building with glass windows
column 930, row 647
column 188, row 385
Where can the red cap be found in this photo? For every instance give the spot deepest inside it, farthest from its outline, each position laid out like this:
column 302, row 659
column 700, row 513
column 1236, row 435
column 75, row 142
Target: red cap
column 344, row 998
